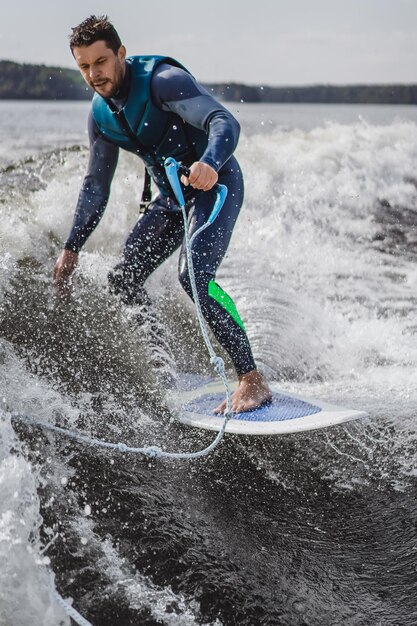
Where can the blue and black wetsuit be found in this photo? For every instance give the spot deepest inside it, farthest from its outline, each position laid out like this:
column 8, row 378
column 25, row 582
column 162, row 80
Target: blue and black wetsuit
column 202, row 129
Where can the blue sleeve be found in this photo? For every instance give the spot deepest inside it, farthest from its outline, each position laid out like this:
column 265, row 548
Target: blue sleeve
column 95, row 189
column 173, row 89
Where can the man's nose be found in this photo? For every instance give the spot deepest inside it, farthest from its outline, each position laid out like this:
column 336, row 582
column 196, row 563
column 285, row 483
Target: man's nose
column 94, row 72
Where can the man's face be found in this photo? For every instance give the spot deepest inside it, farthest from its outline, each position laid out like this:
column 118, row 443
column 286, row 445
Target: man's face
column 101, row 68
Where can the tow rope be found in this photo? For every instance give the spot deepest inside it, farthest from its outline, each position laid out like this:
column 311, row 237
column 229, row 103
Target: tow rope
column 172, row 169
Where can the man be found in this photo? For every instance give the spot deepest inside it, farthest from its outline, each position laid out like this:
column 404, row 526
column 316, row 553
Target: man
column 153, row 107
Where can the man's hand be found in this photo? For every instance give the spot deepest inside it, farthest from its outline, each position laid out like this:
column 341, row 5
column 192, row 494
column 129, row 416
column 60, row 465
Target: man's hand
column 202, row 176
column 63, row 271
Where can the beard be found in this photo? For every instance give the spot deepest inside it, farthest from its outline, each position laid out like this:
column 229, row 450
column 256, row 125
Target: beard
column 109, row 87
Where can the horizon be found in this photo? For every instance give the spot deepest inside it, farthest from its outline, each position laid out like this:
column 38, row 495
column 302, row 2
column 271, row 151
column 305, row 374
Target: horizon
column 287, row 43
column 233, row 82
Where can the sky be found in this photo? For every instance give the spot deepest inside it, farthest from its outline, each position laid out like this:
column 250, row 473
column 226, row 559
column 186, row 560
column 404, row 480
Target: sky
column 267, row 42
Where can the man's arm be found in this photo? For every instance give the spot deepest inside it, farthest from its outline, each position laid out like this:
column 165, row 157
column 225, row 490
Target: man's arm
column 91, row 205
column 95, row 189
column 175, row 90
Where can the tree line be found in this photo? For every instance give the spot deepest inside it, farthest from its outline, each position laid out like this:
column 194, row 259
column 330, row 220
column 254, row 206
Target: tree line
column 39, row 82
column 336, row 94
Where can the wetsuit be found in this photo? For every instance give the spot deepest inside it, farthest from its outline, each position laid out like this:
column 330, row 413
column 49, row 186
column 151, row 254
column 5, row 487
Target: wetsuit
column 159, row 231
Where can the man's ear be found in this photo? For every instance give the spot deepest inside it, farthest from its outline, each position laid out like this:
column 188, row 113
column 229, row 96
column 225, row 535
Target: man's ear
column 121, row 53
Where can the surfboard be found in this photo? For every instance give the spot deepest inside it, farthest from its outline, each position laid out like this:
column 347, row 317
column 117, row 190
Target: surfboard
column 287, row 413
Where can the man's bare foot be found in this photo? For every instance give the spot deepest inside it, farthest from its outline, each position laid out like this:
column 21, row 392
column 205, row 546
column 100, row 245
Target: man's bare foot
column 252, row 392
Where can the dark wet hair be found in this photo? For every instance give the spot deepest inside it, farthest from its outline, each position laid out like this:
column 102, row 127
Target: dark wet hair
column 95, row 28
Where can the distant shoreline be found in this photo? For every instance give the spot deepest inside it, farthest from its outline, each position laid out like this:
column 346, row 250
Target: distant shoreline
column 40, row 82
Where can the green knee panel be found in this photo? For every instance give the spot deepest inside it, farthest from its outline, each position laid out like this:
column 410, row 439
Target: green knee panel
column 225, row 301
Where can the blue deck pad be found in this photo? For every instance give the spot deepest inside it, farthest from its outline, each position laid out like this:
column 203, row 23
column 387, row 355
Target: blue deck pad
column 281, row 409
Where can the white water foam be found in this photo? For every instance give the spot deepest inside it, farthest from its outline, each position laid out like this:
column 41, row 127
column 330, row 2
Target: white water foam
column 26, row 582
column 306, row 234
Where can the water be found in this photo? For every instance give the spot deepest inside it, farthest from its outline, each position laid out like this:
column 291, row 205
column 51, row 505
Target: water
column 315, row 528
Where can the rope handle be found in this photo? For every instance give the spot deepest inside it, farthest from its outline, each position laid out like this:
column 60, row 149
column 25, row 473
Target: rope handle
column 174, row 169
column 183, row 170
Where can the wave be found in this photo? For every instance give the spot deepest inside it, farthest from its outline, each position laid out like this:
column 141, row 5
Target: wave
column 322, row 268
